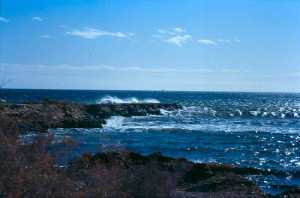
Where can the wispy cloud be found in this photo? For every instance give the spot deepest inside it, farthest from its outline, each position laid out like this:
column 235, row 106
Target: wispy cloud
column 4, row 20
column 179, row 36
column 178, row 29
column 179, row 40
column 38, row 19
column 216, row 42
column 91, row 33
column 224, row 41
column 45, row 36
column 119, row 68
column 176, row 36
column 207, row 42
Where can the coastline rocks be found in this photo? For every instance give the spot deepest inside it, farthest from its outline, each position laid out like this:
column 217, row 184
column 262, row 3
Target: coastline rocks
column 288, row 191
column 127, row 110
column 50, row 114
column 191, row 180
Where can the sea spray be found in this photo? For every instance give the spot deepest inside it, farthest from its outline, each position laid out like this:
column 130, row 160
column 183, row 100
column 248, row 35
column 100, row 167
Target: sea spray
column 116, row 100
column 115, row 122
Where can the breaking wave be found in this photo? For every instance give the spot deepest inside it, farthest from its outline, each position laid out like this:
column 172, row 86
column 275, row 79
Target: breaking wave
column 121, row 124
column 115, row 122
column 242, row 112
column 116, row 100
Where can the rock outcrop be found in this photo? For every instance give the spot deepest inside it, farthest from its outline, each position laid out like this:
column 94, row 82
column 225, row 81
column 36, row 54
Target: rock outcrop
column 190, row 180
column 42, row 116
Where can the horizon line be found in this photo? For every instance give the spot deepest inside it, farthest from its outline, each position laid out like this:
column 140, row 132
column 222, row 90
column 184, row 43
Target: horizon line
column 155, row 90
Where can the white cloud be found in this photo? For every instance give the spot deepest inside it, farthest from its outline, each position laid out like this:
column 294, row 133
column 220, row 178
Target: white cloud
column 215, row 42
column 91, row 33
column 4, row 20
column 207, row 42
column 38, row 19
column 179, row 36
column 179, row 40
column 162, row 31
column 178, row 29
column 176, row 36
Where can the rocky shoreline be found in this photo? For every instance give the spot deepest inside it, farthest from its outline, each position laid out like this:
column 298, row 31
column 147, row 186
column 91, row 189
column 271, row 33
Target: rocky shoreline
column 38, row 117
column 30, row 171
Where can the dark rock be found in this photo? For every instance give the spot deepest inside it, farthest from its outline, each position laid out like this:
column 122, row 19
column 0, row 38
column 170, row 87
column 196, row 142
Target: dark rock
column 293, row 193
column 223, row 182
column 198, row 172
column 39, row 117
column 193, row 180
column 288, row 191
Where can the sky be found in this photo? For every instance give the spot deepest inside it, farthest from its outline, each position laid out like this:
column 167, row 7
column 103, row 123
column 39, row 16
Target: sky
column 191, row 45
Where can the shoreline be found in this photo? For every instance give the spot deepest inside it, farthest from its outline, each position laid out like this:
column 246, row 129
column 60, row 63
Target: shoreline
column 38, row 117
column 191, row 179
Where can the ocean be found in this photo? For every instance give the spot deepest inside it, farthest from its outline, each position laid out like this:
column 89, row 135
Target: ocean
column 259, row 130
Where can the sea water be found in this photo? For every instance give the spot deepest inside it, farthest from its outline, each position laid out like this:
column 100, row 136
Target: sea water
column 259, row 130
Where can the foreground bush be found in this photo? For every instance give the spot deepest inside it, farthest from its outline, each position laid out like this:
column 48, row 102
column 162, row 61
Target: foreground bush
column 30, row 171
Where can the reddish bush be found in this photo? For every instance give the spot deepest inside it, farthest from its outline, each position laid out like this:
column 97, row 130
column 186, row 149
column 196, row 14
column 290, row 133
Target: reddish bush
column 28, row 170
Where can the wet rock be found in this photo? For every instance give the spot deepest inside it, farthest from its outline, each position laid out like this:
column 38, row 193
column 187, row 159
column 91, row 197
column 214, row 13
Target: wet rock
column 39, row 117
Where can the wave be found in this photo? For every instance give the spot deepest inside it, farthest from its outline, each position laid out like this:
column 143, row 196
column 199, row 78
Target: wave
column 2, row 100
column 122, row 124
column 116, row 100
column 115, row 122
column 242, row 112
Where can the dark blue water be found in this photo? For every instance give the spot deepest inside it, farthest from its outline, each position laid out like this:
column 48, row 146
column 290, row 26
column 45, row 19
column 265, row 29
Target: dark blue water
column 245, row 129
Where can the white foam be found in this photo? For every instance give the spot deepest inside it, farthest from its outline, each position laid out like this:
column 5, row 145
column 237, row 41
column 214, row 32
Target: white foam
column 254, row 113
column 2, row 100
column 239, row 112
column 165, row 112
column 116, row 100
column 115, row 122
column 123, row 124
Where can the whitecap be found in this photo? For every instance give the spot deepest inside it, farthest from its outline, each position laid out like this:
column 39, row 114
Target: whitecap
column 165, row 112
column 116, row 100
column 273, row 114
column 150, row 100
column 265, row 114
column 2, row 100
column 254, row 113
column 115, row 122
column 239, row 112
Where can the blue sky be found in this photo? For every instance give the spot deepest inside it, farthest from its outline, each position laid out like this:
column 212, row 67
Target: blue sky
column 209, row 45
